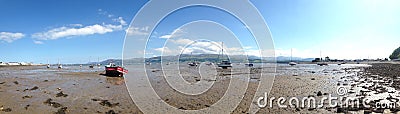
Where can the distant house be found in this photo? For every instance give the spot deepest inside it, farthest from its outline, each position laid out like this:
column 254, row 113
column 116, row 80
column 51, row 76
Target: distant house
column 327, row 58
column 317, row 60
column 13, row 63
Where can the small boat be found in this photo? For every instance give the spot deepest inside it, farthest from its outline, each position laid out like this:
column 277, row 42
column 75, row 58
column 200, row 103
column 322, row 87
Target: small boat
column 249, row 64
column 90, row 66
column 114, row 70
column 98, row 62
column 59, row 64
column 225, row 64
column 323, row 61
column 48, row 64
column 291, row 63
column 192, row 64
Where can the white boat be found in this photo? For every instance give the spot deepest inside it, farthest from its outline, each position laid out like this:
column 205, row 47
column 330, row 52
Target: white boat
column 91, row 65
column 323, row 61
column 192, row 63
column 59, row 65
column 291, row 63
column 48, row 64
column 225, row 64
column 249, row 64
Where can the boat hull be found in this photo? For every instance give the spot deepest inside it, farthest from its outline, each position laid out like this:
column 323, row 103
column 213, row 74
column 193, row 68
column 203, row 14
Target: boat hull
column 115, row 71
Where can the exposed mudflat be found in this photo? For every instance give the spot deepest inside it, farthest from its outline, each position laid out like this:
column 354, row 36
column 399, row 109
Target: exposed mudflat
column 41, row 90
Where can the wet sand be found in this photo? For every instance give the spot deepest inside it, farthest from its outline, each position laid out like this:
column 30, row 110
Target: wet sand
column 59, row 92
column 29, row 90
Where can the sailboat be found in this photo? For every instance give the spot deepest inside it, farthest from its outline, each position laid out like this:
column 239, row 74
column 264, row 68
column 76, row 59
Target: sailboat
column 98, row 62
column 224, row 64
column 48, row 64
column 291, row 63
column 321, row 63
column 192, row 63
column 91, row 65
column 59, row 65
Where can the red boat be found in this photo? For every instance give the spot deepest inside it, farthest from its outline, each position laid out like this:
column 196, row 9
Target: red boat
column 114, row 70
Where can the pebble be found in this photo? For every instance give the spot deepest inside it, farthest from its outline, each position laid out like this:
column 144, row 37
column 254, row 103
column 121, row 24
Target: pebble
column 111, row 112
column 61, row 94
column 319, row 93
column 62, row 110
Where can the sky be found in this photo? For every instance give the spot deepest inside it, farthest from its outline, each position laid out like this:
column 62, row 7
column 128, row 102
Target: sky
column 72, row 31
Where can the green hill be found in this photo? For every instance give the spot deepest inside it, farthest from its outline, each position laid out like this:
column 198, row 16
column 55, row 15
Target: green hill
column 395, row 54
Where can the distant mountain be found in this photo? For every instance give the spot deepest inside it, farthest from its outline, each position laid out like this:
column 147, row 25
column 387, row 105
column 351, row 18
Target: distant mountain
column 207, row 57
column 295, row 59
column 395, row 54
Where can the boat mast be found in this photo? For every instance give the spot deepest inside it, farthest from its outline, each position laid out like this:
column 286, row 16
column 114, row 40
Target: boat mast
column 320, row 55
column 291, row 54
column 222, row 48
column 191, row 59
column 218, row 57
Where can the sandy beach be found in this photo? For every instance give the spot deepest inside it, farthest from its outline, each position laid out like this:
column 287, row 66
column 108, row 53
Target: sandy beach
column 34, row 89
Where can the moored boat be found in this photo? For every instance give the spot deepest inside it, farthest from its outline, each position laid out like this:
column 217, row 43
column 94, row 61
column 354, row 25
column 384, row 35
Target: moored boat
column 114, row 70
column 225, row 64
column 292, row 63
column 249, row 64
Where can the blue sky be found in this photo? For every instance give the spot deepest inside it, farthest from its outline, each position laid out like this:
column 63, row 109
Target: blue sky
column 82, row 31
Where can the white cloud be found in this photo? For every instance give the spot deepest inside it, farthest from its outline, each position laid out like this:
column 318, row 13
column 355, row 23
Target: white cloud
column 62, row 32
column 37, row 42
column 120, row 20
column 181, row 41
column 131, row 31
column 80, row 30
column 165, row 50
column 10, row 37
column 166, row 36
column 76, row 25
column 176, row 33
